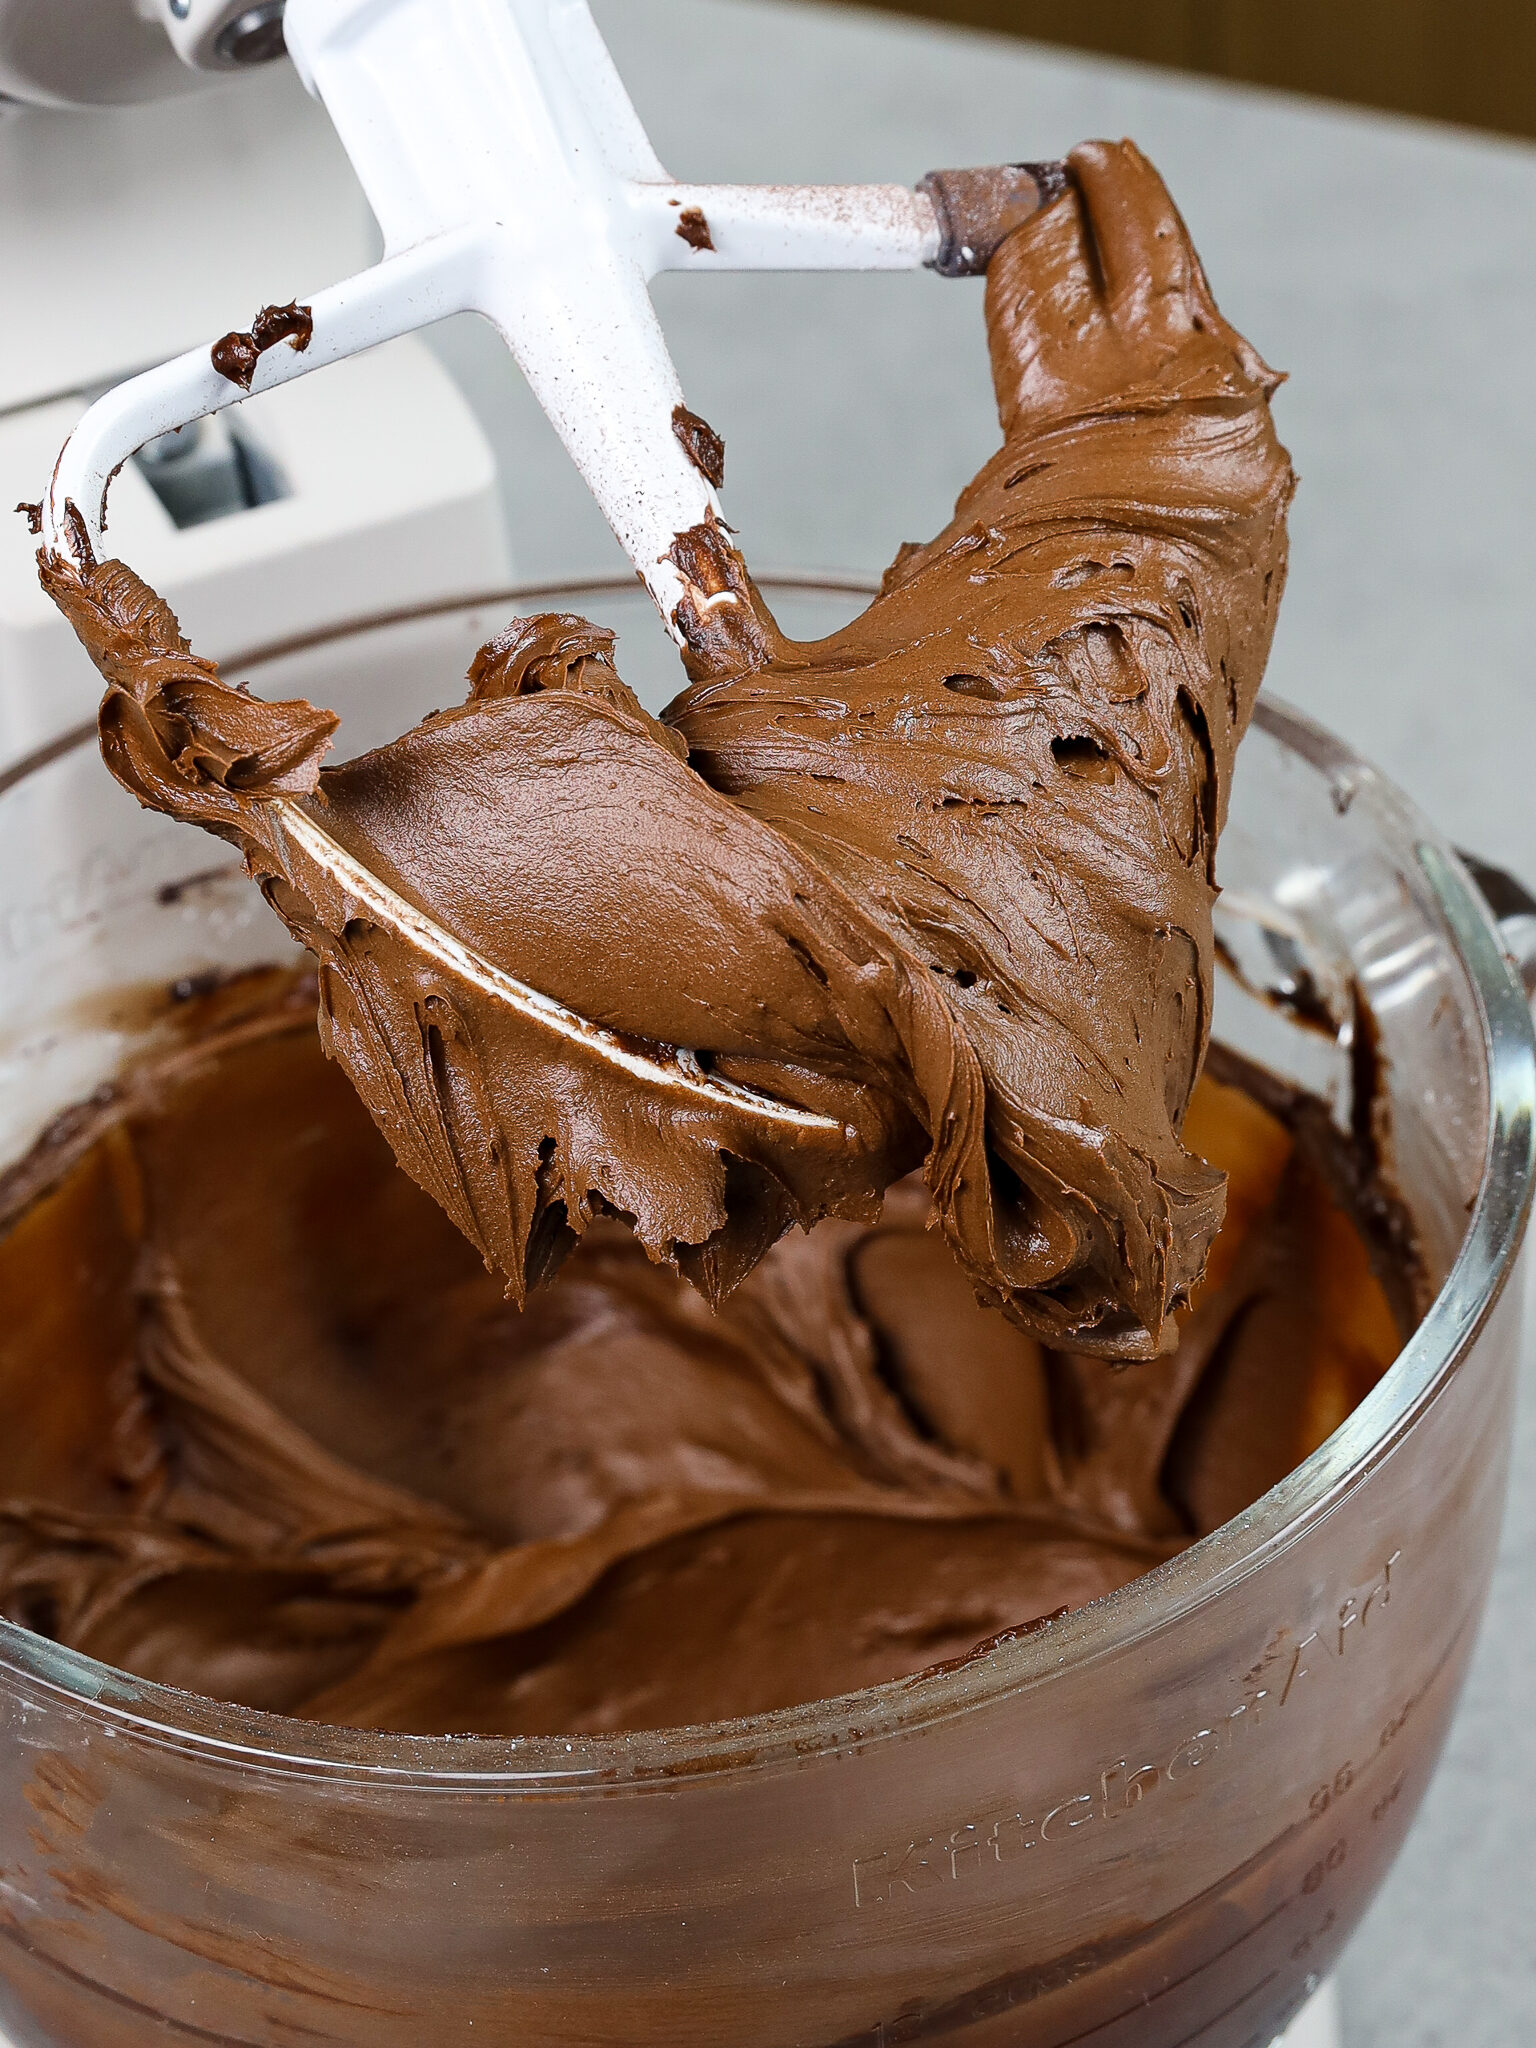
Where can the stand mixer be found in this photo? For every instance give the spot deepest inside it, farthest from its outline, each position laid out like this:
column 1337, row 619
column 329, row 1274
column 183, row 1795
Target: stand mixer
column 419, row 93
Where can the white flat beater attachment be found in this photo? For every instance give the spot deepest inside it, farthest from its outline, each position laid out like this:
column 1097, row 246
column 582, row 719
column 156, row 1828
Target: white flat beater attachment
column 511, row 177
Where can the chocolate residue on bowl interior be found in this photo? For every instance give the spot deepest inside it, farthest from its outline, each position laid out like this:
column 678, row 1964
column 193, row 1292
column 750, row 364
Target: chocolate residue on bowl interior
column 274, row 1434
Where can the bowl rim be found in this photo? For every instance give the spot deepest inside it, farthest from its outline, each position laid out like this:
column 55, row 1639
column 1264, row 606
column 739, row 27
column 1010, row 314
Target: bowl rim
column 546, row 1765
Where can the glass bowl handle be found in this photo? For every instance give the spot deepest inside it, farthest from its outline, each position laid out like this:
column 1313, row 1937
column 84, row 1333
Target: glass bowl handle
column 1514, row 910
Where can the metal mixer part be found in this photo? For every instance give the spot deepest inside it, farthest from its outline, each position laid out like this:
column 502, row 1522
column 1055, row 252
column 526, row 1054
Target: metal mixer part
column 255, row 36
column 222, row 35
column 511, row 176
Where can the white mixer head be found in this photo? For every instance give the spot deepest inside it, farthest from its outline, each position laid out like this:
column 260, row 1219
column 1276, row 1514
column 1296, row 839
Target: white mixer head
column 511, row 177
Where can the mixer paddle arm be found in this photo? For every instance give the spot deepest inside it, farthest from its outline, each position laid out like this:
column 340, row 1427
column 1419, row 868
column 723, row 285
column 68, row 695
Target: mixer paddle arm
column 511, row 176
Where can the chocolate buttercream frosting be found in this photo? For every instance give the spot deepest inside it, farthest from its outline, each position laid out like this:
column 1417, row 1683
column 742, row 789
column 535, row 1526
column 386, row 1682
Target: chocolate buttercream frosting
column 933, row 893
column 275, row 1434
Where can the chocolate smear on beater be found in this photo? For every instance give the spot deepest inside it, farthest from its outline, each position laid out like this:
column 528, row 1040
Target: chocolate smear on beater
column 932, row 893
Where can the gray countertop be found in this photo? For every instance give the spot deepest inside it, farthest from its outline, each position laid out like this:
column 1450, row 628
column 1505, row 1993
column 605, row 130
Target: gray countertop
column 1391, row 269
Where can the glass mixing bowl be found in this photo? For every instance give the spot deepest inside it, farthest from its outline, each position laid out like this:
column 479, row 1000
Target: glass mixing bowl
column 1153, row 1823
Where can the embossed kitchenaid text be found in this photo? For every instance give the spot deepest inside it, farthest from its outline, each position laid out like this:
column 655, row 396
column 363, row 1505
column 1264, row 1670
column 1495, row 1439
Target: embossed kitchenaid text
column 1331, row 1643
column 982, row 1845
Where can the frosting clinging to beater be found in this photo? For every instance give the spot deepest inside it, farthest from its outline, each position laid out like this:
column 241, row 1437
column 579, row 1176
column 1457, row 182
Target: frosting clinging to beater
column 934, row 891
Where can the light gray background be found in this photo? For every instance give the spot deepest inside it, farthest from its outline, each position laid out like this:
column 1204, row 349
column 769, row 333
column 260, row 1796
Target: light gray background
column 1391, row 269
